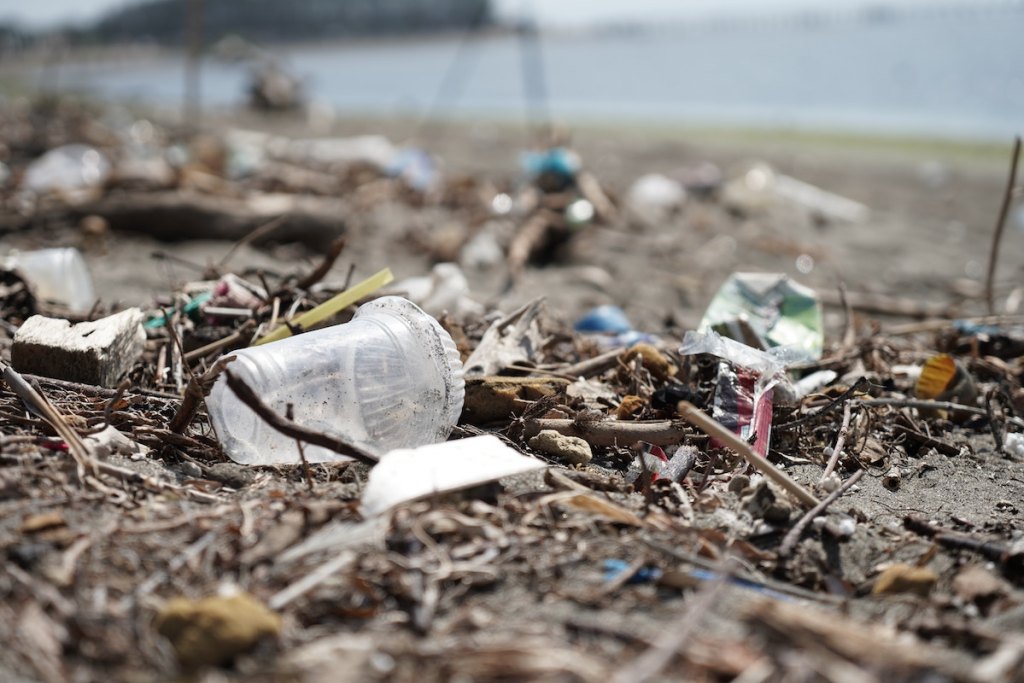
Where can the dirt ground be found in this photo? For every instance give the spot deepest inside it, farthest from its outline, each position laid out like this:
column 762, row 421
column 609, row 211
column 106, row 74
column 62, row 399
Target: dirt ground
column 572, row 574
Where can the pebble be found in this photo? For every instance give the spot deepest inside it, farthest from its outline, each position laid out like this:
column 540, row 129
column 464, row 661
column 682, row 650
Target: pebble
column 571, row 449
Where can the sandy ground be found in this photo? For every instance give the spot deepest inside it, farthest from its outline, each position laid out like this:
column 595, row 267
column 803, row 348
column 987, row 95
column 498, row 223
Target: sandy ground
column 933, row 208
column 540, row 609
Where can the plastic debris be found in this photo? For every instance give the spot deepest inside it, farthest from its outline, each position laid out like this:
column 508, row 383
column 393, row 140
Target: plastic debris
column 614, row 568
column 58, row 275
column 579, row 213
column 746, row 387
column 942, row 378
column 330, row 307
column 390, row 378
column 605, row 320
column 416, row 168
column 555, row 166
column 762, row 179
column 1013, row 445
column 405, row 475
column 72, row 171
column 213, row 631
column 765, row 310
column 655, row 197
column 444, row 290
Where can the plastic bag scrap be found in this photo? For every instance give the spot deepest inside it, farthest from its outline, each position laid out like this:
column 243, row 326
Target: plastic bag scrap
column 766, row 310
column 74, row 171
column 749, row 381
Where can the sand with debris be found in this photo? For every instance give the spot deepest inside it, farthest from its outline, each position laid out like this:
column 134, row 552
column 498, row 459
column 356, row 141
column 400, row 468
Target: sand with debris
column 513, row 581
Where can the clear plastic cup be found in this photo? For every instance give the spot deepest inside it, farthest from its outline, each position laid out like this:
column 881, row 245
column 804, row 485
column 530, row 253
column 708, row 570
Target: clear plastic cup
column 390, row 378
column 58, row 275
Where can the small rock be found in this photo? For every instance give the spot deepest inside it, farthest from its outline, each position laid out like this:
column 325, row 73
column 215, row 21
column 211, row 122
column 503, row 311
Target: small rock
column 230, row 474
column 571, row 449
column 215, row 630
column 905, row 578
column 739, row 483
column 977, row 584
column 97, row 352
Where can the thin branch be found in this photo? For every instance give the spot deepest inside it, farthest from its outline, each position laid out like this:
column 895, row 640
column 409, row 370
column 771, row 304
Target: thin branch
column 840, row 442
column 291, row 429
column 934, row 405
column 1011, row 182
column 318, row 274
column 255, row 234
column 195, row 393
column 793, row 537
column 41, row 405
column 696, row 417
column 614, row 432
column 859, row 385
column 243, row 333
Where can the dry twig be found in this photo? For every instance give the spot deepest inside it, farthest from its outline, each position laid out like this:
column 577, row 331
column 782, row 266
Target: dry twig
column 292, row 429
column 696, row 417
column 793, row 537
column 1004, row 209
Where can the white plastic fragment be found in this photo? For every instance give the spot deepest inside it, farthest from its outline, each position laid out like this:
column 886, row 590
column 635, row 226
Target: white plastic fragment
column 405, row 475
column 58, row 275
column 1013, row 444
column 73, row 171
column 655, row 196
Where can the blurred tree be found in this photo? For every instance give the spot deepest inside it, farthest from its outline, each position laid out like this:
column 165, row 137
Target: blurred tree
column 273, row 20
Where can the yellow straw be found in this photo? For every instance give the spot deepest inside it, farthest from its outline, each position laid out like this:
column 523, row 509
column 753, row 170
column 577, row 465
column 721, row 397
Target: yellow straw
column 331, row 306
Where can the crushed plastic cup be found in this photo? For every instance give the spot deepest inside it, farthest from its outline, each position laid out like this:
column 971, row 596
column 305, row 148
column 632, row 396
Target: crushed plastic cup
column 57, row 275
column 391, row 378
column 72, row 171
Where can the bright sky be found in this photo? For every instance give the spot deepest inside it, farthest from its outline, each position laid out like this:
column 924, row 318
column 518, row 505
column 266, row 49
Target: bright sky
column 551, row 12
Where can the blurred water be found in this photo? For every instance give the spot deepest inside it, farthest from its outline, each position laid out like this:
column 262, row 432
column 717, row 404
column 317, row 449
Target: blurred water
column 958, row 75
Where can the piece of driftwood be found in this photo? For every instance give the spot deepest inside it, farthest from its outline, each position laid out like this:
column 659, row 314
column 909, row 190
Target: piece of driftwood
column 614, row 432
column 182, row 215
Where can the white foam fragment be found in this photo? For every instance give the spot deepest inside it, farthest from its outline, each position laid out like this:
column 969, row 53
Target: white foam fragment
column 408, row 474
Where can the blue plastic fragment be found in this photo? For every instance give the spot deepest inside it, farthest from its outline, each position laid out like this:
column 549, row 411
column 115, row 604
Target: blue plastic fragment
column 973, row 328
column 190, row 309
column 706, row 575
column 614, row 567
column 605, row 319
column 558, row 161
column 416, row 167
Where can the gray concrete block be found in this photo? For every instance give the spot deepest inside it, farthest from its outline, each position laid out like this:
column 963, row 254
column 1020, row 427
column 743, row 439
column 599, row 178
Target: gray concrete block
column 97, row 352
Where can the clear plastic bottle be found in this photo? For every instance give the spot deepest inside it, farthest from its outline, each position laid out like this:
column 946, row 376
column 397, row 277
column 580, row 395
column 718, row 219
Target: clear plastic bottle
column 390, row 378
column 59, row 275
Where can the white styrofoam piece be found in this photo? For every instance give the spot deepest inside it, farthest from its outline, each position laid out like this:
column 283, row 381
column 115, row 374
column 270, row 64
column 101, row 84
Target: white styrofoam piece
column 408, row 474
